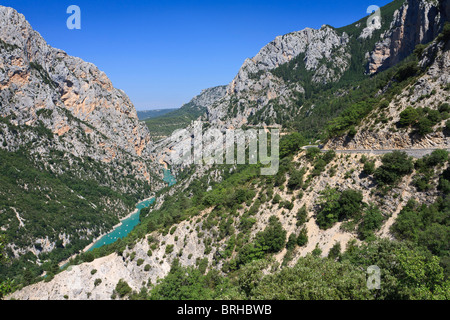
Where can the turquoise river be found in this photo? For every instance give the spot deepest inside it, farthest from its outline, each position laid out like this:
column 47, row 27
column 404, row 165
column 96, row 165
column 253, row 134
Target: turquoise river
column 128, row 224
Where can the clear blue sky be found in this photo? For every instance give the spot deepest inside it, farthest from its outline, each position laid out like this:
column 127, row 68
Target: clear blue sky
column 162, row 53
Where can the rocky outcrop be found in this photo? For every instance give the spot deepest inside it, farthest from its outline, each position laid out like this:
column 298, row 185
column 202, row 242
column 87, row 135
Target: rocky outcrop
column 416, row 22
column 35, row 77
column 255, row 86
column 66, row 116
column 430, row 91
column 208, row 97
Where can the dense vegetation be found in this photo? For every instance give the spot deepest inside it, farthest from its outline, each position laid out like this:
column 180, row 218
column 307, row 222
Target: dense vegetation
column 45, row 197
column 151, row 114
column 395, row 166
column 407, row 274
column 166, row 124
column 414, row 266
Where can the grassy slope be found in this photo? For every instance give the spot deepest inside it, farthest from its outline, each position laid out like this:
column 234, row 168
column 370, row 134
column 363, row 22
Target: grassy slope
column 150, row 114
column 164, row 125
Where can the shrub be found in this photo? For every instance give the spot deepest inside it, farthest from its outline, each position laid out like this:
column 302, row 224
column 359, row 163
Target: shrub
column 335, row 206
column 369, row 167
column 406, row 71
column 445, row 107
column 424, row 126
column 445, row 34
column 291, row 144
column 302, row 215
column 335, row 251
column 395, row 166
column 273, row 238
column 169, row 248
column 122, row 288
column 302, row 238
column 292, row 241
column 408, row 117
column 296, row 180
column 97, row 282
column 276, row 199
column 434, row 116
column 437, row 157
column 418, row 51
column 329, row 156
column 312, row 153
column 372, row 221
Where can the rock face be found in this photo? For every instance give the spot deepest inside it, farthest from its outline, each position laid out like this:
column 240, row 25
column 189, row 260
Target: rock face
column 325, row 55
column 429, row 91
column 255, row 86
column 199, row 105
column 208, row 97
column 35, row 77
column 66, row 116
column 417, row 22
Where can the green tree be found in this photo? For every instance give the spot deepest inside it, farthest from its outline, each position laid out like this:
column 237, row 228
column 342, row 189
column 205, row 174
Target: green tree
column 314, row 278
column 406, row 71
column 273, row 238
column 291, row 144
column 408, row 117
column 183, row 283
column 335, row 206
column 6, row 286
column 369, row 167
column 372, row 221
column 292, row 241
column 329, row 207
column 122, row 288
column 302, row 215
column 296, row 179
column 302, row 238
column 395, row 166
column 335, row 251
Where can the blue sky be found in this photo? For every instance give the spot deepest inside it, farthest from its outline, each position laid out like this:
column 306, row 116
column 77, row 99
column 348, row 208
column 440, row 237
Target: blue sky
column 162, row 53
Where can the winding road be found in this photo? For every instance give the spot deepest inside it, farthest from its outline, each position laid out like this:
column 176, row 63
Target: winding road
column 416, row 153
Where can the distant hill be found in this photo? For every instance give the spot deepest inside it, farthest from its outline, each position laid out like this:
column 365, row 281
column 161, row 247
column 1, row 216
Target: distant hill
column 151, row 114
column 164, row 125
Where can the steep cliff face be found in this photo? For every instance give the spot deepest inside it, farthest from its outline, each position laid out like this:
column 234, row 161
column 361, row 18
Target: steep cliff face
column 36, row 77
column 428, row 92
column 255, row 85
column 416, row 22
column 65, row 133
column 267, row 88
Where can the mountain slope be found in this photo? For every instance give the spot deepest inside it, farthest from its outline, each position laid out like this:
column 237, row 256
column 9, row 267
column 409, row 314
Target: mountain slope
column 279, row 85
column 149, row 114
column 73, row 155
column 312, row 230
column 164, row 126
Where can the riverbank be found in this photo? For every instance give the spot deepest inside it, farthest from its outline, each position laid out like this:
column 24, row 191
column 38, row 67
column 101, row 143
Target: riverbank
column 95, row 241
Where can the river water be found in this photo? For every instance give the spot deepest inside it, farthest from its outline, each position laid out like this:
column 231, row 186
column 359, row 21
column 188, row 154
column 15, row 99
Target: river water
column 128, row 224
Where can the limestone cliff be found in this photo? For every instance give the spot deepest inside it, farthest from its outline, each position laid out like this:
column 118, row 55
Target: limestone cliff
column 35, row 77
column 255, row 86
column 416, row 22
